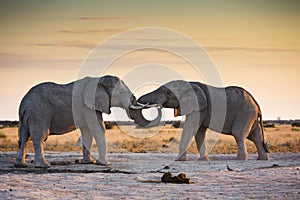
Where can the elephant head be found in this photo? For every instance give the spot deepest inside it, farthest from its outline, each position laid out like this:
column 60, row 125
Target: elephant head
column 110, row 91
column 183, row 96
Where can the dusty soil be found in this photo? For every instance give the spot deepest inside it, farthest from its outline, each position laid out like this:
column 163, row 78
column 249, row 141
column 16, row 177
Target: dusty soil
column 137, row 176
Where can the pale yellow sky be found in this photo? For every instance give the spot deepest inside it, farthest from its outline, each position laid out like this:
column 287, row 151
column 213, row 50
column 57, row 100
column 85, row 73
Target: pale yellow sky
column 255, row 44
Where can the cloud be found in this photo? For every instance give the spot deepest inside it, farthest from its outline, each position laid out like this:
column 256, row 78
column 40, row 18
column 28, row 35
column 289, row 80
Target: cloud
column 7, row 57
column 104, row 18
column 70, row 31
column 93, row 31
column 42, row 44
column 78, row 43
column 17, row 61
column 216, row 48
column 111, row 30
column 85, row 44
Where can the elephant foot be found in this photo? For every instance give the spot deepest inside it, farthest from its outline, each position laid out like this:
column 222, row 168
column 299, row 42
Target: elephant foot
column 41, row 164
column 102, row 163
column 264, row 157
column 205, row 158
column 242, row 157
column 182, row 158
column 87, row 161
column 20, row 165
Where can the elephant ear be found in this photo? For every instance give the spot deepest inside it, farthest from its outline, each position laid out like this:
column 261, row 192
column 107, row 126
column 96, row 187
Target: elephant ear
column 192, row 99
column 95, row 97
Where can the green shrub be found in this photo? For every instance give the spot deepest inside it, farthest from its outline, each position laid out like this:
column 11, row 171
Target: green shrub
column 176, row 124
column 110, row 125
column 296, row 124
column 269, row 125
column 5, row 124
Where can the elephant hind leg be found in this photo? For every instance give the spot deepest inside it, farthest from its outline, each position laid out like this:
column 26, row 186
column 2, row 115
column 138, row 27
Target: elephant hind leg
column 38, row 137
column 242, row 149
column 22, row 145
column 256, row 137
column 240, row 131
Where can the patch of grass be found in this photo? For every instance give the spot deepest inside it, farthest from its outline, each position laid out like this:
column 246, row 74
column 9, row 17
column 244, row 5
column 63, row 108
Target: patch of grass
column 62, row 147
column 164, row 139
column 3, row 135
column 139, row 145
column 295, row 129
column 8, row 145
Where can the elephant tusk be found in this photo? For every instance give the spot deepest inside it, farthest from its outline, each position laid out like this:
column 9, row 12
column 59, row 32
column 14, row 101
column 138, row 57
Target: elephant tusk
column 136, row 107
column 153, row 105
column 140, row 104
column 148, row 105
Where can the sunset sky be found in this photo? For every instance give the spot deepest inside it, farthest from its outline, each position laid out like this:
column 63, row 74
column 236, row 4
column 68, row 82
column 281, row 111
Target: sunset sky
column 254, row 44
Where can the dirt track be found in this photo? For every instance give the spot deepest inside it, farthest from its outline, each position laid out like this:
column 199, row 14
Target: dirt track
column 137, row 176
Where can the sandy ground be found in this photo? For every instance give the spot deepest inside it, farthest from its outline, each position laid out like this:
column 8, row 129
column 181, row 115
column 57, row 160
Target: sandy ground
column 137, row 176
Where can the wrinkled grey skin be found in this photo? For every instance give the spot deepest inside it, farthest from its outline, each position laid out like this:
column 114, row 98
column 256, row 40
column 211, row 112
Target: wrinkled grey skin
column 242, row 116
column 47, row 110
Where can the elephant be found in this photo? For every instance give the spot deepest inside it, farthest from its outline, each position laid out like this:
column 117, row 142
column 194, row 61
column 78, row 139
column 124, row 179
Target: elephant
column 55, row 109
column 230, row 110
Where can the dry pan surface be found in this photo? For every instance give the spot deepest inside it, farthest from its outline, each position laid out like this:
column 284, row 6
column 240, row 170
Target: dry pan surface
column 137, row 176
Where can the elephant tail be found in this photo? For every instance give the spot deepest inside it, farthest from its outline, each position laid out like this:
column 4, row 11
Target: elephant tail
column 23, row 131
column 262, row 131
column 260, row 123
column 23, row 119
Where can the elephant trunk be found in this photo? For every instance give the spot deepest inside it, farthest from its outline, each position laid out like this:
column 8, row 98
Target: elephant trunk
column 139, row 119
column 134, row 111
column 147, row 99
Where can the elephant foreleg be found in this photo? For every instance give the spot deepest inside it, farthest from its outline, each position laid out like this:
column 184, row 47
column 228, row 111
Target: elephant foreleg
column 201, row 144
column 101, row 144
column 97, row 127
column 87, row 139
column 190, row 128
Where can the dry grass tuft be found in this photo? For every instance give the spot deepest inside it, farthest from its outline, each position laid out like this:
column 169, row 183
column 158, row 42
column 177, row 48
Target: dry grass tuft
column 3, row 135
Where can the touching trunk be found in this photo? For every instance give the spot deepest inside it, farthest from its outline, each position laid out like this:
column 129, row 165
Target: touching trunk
column 139, row 119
